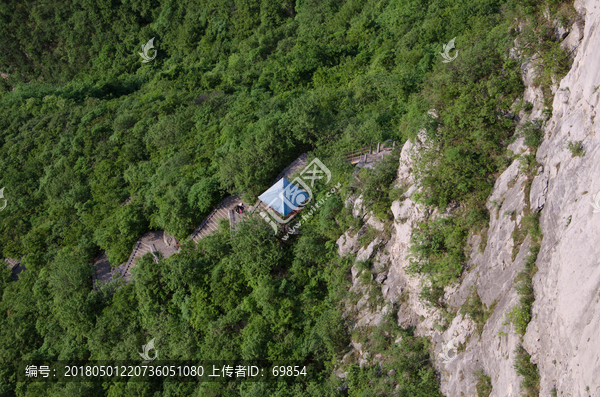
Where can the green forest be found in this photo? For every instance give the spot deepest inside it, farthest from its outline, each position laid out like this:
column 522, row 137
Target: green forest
column 237, row 91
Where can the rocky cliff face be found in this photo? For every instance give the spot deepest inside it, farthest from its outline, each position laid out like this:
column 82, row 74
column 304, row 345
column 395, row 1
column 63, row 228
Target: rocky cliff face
column 490, row 273
column 563, row 337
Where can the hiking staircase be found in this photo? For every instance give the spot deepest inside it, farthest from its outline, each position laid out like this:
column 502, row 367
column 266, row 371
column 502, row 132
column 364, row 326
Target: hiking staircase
column 156, row 241
column 152, row 242
column 210, row 224
column 235, row 218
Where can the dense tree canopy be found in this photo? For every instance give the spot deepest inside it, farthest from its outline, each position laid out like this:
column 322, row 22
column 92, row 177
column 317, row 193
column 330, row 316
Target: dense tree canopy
column 238, row 89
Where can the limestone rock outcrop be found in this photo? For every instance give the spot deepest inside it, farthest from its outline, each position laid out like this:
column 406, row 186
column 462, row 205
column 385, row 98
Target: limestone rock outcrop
column 563, row 335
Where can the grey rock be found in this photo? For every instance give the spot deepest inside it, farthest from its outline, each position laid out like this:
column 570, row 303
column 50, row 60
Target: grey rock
column 384, row 290
column 405, row 171
column 354, row 273
column 372, row 319
column 358, row 211
column 348, row 244
column 407, row 317
column 374, row 223
column 539, row 189
column 381, row 277
column 563, row 335
column 381, row 260
column 561, row 32
column 573, row 39
column 365, row 254
column 361, row 302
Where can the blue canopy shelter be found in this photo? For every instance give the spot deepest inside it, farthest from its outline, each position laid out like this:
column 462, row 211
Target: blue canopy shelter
column 284, row 196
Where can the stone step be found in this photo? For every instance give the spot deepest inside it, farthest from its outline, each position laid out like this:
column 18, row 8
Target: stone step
column 142, row 251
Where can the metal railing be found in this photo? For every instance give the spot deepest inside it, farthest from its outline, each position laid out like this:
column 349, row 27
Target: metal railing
column 363, row 153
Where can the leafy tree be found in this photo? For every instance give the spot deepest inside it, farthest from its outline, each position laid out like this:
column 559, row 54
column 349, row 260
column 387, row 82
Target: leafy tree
column 204, row 195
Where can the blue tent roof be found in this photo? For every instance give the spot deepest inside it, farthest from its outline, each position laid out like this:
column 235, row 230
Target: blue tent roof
column 283, row 196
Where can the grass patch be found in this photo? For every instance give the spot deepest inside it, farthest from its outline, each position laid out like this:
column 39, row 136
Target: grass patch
column 407, row 371
column 477, row 311
column 364, row 265
column 528, row 164
column 378, row 185
column 532, row 132
column 484, row 240
column 520, row 315
column 438, row 250
column 530, row 224
column 576, row 148
column 484, row 384
column 385, row 334
column 369, row 236
column 530, row 385
column 347, row 221
column 538, row 42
